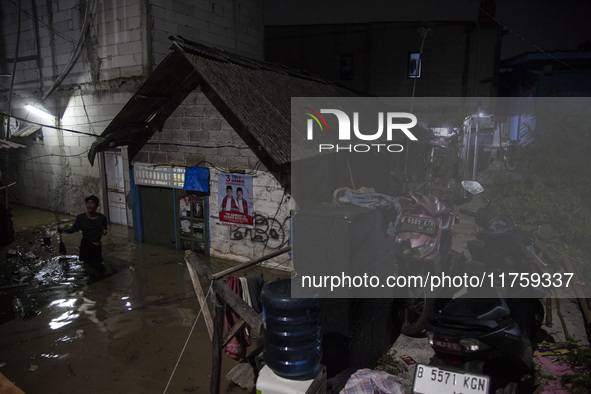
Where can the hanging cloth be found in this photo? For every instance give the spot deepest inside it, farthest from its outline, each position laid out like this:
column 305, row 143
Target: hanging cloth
column 236, row 348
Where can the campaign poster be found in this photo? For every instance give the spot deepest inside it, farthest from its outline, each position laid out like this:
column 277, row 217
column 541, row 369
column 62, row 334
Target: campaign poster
column 235, row 199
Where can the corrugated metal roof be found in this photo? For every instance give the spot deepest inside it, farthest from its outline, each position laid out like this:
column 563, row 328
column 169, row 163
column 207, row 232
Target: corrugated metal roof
column 5, row 144
column 253, row 96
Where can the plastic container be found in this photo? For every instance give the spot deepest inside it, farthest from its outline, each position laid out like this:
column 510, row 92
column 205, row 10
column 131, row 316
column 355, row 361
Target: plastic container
column 292, row 332
column 269, row 383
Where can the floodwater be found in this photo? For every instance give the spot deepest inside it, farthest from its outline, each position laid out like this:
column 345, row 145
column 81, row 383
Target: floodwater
column 123, row 334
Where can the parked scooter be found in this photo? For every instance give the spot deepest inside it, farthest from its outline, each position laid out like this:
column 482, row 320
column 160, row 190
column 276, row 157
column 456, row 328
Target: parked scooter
column 423, row 244
column 483, row 341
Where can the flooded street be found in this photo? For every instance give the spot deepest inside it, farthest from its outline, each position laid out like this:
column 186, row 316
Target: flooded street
column 122, row 334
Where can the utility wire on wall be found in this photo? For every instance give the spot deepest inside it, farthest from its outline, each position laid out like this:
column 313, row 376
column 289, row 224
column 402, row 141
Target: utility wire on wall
column 41, row 22
column 520, row 36
column 88, row 14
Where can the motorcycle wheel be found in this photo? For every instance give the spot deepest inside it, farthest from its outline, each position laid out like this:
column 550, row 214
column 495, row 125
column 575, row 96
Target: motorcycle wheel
column 415, row 314
column 511, row 164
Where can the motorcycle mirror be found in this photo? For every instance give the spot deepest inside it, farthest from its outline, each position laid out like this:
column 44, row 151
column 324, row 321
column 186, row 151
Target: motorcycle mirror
column 472, row 187
column 546, row 232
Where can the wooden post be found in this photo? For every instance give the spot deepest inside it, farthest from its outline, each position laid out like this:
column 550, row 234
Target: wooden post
column 222, row 294
column 195, row 266
column 242, row 309
column 216, row 345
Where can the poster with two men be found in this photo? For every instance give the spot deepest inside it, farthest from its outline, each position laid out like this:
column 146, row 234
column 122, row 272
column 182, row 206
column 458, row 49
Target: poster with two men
column 235, row 199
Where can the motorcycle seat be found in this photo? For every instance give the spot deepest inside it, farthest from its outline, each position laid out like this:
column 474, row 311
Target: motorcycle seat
column 484, row 312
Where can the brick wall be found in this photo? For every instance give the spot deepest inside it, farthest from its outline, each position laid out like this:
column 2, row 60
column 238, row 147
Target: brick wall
column 53, row 171
column 201, row 136
column 233, row 25
column 126, row 40
column 50, row 33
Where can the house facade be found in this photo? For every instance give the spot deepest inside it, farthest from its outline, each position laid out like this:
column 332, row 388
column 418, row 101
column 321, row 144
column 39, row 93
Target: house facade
column 81, row 62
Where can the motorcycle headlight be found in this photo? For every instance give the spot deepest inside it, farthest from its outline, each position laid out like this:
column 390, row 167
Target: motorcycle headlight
column 426, row 247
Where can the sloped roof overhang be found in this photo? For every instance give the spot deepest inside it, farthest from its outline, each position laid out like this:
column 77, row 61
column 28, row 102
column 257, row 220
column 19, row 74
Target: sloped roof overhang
column 253, row 96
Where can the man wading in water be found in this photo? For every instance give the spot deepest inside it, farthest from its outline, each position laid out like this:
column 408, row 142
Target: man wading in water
column 93, row 225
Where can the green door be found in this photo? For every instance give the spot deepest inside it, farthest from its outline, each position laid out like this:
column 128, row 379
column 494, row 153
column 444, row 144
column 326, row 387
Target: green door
column 158, row 213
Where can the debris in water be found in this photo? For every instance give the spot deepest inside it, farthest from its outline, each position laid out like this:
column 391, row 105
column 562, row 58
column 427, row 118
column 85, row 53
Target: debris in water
column 71, row 370
column 17, row 306
column 31, row 314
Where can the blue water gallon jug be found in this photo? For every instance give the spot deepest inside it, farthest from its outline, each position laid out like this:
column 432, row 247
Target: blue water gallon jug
column 292, row 332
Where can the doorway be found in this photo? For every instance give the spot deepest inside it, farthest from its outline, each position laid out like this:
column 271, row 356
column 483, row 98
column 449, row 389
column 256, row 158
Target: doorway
column 115, row 187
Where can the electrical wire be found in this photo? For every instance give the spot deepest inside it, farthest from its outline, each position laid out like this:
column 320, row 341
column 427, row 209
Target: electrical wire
column 504, row 26
column 185, row 346
column 253, row 171
column 18, row 40
column 196, row 145
column 53, row 127
column 40, row 21
column 52, row 155
column 88, row 13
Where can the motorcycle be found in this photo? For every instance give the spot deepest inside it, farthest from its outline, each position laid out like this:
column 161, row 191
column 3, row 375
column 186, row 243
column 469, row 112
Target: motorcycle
column 483, row 341
column 510, row 160
column 423, row 244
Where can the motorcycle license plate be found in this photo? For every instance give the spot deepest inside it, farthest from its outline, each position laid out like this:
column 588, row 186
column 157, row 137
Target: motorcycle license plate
column 430, row 380
column 414, row 224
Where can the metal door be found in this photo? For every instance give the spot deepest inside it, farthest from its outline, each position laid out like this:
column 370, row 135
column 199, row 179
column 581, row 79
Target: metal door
column 158, row 214
column 115, row 187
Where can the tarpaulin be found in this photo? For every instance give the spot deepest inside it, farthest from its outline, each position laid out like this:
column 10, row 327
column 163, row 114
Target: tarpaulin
column 197, row 179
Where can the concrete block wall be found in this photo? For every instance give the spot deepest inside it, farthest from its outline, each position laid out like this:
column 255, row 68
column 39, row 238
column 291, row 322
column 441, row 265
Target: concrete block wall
column 53, row 171
column 114, row 48
column 197, row 134
column 127, row 38
column 233, row 25
column 459, row 58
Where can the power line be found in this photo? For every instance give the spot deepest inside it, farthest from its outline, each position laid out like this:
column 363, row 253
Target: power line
column 504, row 26
column 45, row 24
column 53, row 127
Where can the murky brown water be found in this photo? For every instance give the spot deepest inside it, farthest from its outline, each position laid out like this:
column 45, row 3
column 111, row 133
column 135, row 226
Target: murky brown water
column 123, row 334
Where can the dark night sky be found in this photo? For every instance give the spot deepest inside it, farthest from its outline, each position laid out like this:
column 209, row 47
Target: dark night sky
column 546, row 24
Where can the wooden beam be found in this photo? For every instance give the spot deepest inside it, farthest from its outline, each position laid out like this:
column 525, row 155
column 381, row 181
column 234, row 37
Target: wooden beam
column 249, row 263
column 241, row 308
column 235, row 328
column 201, row 297
column 200, row 267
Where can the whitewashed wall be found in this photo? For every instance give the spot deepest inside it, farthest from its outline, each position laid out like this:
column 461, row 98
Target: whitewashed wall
column 126, row 40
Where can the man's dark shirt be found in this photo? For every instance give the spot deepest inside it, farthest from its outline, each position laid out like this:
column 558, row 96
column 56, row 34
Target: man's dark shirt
column 92, row 229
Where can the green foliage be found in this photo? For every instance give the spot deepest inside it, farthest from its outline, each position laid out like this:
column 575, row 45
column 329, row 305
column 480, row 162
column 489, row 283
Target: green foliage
column 535, row 200
column 580, row 362
column 554, row 188
column 444, row 168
